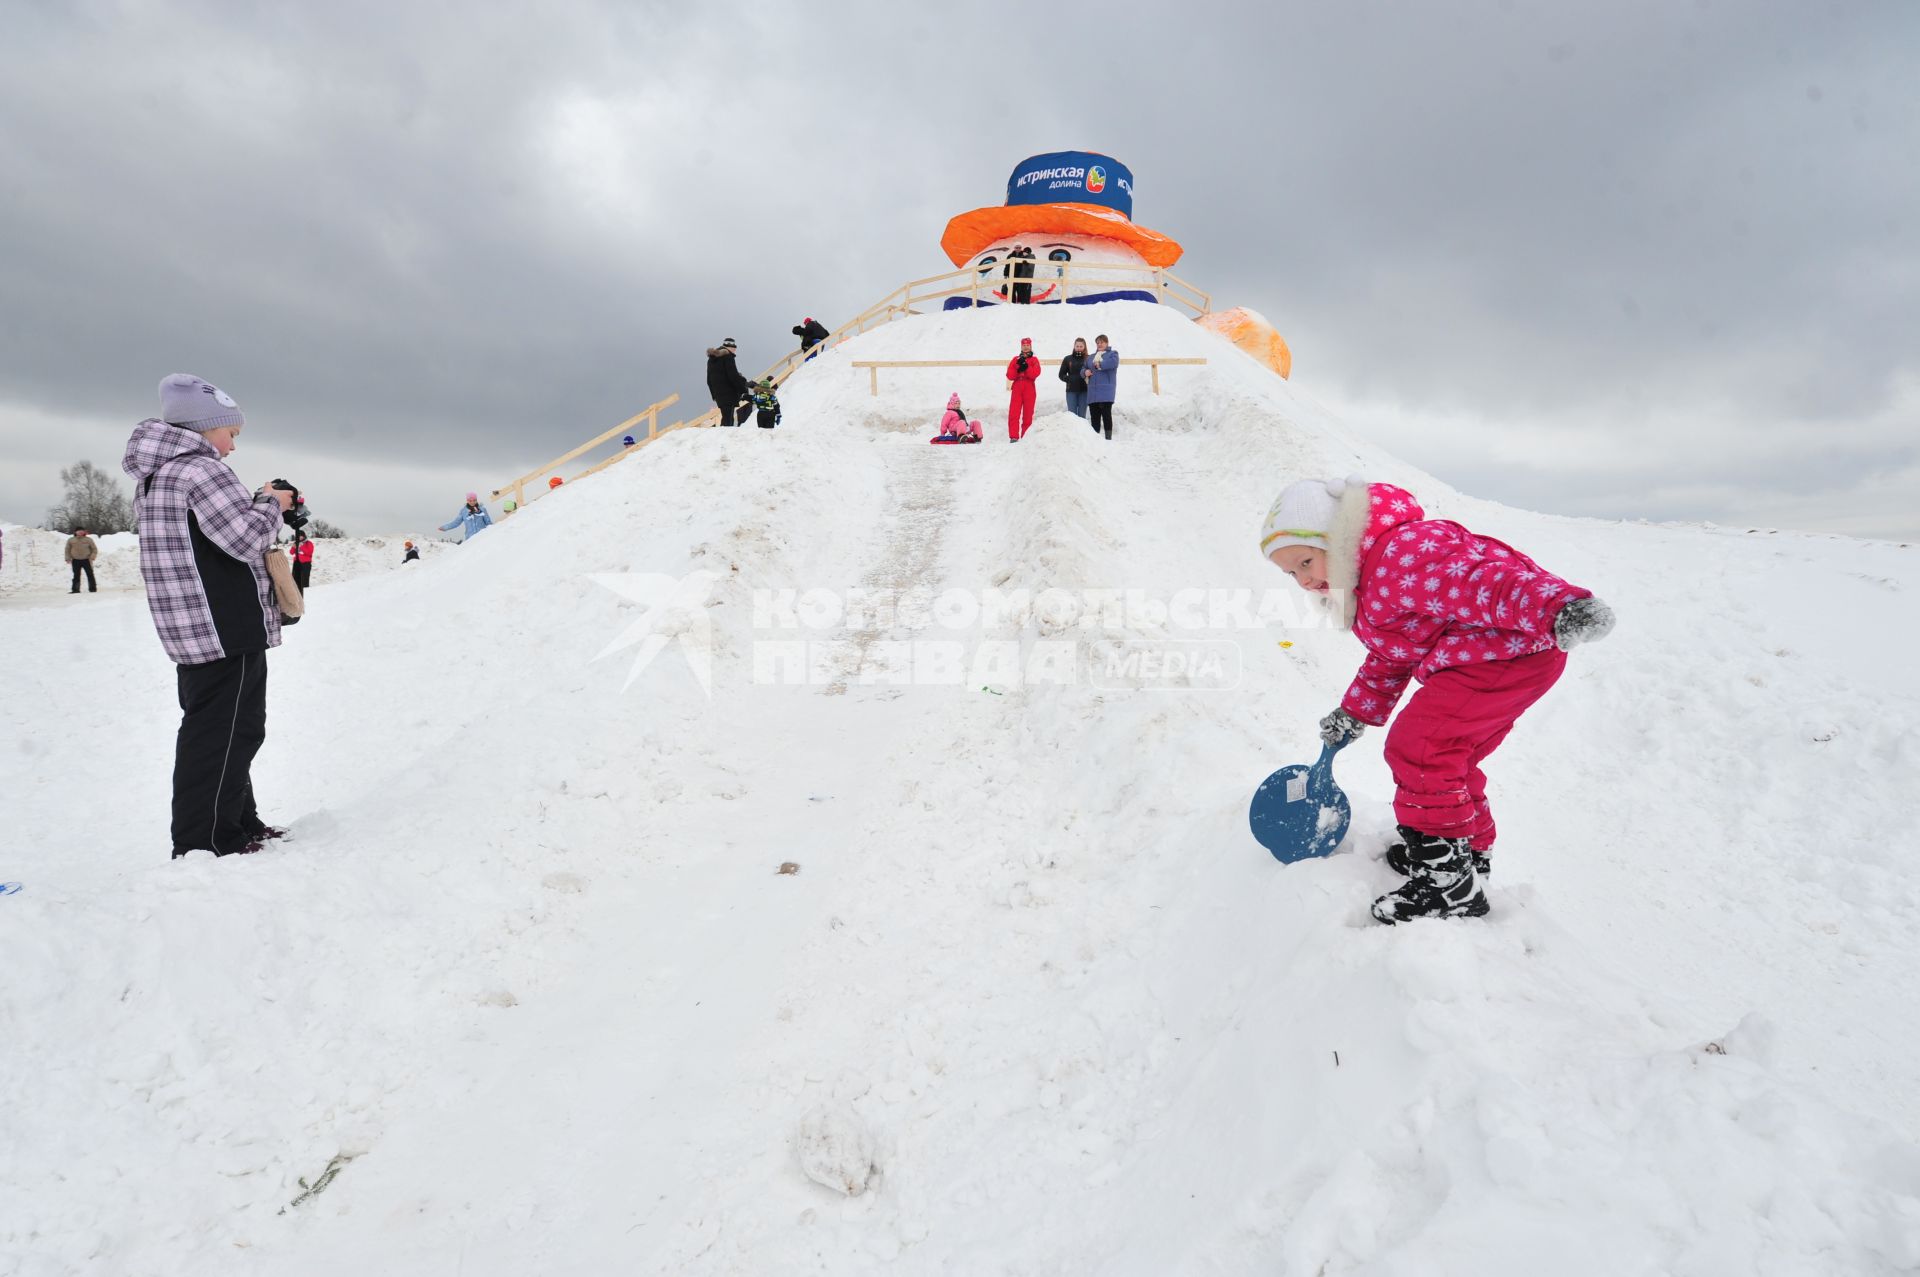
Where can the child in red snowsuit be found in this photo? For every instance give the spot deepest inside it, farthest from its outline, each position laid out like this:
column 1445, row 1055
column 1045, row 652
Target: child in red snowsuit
column 1482, row 627
column 1022, row 371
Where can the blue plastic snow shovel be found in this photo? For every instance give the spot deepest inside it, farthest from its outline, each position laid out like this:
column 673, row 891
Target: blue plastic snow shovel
column 1298, row 813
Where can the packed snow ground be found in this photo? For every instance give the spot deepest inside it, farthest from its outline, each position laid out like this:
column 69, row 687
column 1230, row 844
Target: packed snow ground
column 531, row 982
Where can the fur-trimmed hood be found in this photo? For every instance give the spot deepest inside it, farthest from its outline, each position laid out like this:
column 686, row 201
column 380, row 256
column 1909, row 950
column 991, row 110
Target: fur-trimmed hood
column 1366, row 513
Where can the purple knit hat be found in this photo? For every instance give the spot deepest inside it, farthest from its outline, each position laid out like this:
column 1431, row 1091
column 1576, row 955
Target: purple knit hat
column 186, row 400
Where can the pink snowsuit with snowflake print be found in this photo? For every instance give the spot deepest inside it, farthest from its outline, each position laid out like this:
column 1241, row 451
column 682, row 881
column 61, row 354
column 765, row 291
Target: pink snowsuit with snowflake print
column 1472, row 620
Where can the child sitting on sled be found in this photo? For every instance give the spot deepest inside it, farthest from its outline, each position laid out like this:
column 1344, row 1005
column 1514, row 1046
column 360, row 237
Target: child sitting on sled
column 954, row 426
column 1482, row 627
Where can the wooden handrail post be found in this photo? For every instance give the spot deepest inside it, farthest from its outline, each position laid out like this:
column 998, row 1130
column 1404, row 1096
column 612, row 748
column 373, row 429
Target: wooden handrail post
column 873, row 382
column 1156, row 377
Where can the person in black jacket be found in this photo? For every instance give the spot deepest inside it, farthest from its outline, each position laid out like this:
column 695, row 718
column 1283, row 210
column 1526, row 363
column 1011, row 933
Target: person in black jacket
column 1022, row 259
column 726, row 384
column 1073, row 373
column 811, row 334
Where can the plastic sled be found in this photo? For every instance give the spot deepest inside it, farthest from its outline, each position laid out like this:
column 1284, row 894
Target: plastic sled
column 940, row 439
column 1298, row 813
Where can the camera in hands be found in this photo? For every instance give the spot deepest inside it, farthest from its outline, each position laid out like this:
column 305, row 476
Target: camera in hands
column 295, row 515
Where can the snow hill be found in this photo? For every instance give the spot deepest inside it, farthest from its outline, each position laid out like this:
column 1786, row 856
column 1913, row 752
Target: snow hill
column 531, row 986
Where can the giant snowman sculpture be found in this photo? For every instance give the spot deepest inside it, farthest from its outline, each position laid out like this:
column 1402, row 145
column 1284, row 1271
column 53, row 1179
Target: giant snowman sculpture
column 1077, row 206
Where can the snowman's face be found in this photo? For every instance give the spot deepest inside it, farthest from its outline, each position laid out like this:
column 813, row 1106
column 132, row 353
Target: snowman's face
column 1052, row 247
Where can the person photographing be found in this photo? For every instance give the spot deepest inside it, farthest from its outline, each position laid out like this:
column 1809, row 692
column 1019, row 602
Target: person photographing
column 1022, row 371
column 204, row 544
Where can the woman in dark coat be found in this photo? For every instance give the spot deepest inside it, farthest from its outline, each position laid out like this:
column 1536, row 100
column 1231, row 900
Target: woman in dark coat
column 1073, row 373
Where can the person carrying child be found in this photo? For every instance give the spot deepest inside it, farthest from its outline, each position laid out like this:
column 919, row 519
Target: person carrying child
column 954, row 425
column 1483, row 628
column 1103, row 380
column 766, row 405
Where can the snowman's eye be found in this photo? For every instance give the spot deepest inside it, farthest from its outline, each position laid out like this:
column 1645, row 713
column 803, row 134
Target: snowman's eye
column 1059, row 255
column 986, row 261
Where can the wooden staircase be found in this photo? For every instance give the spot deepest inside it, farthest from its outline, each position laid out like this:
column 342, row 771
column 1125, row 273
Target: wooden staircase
column 979, row 287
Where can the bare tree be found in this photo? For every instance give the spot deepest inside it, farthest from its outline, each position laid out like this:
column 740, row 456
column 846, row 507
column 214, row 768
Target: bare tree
column 94, row 501
column 321, row 530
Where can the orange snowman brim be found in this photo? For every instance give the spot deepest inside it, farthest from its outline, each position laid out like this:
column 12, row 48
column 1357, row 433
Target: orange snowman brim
column 969, row 233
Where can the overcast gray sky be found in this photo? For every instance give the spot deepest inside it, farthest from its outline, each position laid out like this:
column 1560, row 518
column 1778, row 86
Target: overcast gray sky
column 1642, row 258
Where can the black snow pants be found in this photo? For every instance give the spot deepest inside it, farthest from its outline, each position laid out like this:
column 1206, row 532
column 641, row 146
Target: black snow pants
column 224, row 723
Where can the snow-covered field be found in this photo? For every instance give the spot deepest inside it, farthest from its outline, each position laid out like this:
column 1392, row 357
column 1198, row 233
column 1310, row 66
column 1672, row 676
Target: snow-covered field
column 532, row 984
column 34, row 572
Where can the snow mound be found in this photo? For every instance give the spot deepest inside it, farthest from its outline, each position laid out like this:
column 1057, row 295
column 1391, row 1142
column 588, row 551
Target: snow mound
column 532, row 955
column 835, row 1149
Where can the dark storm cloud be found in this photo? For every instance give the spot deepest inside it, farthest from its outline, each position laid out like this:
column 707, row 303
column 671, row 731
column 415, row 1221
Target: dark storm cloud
column 457, row 239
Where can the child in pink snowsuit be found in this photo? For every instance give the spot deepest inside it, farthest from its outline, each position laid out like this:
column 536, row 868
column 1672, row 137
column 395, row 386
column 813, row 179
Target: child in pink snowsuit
column 1482, row 627
column 954, row 423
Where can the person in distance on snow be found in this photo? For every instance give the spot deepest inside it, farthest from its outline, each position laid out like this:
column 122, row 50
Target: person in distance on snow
column 81, row 552
column 301, row 552
column 1481, row 626
column 472, row 520
column 412, row 555
column 766, row 405
column 954, row 424
column 1022, row 371
column 204, row 544
column 1021, row 259
column 727, row 384
column 811, row 333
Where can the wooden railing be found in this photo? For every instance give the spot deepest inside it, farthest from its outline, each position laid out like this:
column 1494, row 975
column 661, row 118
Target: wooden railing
column 539, row 475
column 873, row 366
column 981, row 286
column 988, row 286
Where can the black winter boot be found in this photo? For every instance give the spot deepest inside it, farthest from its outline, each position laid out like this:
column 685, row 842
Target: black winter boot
column 1398, row 862
column 1441, row 882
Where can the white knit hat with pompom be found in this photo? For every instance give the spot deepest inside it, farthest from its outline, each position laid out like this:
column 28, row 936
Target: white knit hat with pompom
column 1303, row 513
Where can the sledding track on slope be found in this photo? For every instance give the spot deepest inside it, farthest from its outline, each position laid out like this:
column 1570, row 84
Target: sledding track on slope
column 920, row 497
